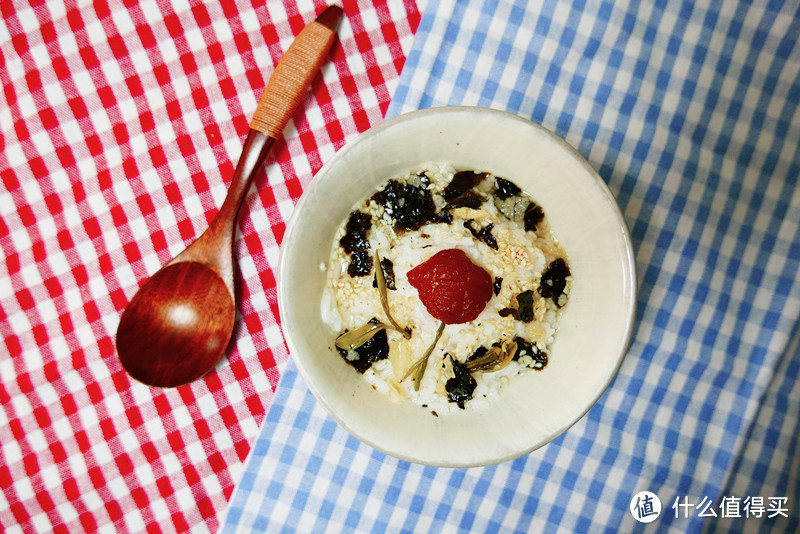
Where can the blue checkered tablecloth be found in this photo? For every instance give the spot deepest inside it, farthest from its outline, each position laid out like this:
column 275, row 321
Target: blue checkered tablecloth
column 691, row 114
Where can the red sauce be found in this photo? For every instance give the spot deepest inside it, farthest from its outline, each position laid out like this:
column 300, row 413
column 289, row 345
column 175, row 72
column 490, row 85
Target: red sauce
column 452, row 288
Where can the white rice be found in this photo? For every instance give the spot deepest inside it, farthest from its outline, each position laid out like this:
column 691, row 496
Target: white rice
column 349, row 302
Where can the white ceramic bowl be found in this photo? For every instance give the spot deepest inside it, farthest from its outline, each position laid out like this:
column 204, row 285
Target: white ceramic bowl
column 595, row 328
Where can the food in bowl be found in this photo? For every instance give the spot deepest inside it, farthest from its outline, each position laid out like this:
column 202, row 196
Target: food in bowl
column 530, row 409
column 444, row 285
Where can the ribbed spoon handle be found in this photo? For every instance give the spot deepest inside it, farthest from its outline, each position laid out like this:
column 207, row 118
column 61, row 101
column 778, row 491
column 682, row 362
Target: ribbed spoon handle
column 294, row 73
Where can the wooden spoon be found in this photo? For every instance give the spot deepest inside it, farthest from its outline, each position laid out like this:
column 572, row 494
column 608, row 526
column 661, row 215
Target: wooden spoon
column 176, row 328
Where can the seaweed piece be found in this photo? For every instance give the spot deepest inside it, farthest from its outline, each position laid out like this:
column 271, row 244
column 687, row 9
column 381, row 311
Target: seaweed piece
column 533, row 216
column 355, row 243
column 525, row 306
column 460, row 388
column 470, row 199
column 554, row 280
column 506, row 188
column 539, row 360
column 524, row 310
column 526, row 348
column 484, row 234
column 505, row 312
column 360, row 263
column 497, row 285
column 480, row 351
column 409, row 206
column 387, row 268
column 356, row 231
column 374, row 349
column 462, row 182
column 512, row 207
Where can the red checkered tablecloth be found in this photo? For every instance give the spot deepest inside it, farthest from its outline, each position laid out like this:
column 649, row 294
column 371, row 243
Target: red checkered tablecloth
column 121, row 124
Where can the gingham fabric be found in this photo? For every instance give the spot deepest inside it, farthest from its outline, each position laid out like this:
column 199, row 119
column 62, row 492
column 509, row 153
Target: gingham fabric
column 690, row 114
column 120, row 126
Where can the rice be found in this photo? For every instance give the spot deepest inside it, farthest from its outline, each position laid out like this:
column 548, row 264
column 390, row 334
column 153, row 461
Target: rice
column 518, row 263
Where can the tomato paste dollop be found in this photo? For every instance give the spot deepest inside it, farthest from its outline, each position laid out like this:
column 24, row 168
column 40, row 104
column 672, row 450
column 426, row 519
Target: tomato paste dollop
column 452, row 288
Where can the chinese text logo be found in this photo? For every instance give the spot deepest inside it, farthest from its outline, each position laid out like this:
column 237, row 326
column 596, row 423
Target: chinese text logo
column 645, row 507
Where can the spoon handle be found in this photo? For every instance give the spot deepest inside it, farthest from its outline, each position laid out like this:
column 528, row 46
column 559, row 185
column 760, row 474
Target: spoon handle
column 284, row 92
column 294, row 73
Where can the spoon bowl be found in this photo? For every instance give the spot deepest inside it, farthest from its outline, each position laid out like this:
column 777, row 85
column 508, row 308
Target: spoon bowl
column 182, row 318
column 177, row 327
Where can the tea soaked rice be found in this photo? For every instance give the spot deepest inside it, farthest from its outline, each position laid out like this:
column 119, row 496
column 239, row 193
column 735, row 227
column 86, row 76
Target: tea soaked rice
column 520, row 259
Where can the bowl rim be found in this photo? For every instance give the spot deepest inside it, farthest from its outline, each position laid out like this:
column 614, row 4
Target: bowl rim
column 628, row 262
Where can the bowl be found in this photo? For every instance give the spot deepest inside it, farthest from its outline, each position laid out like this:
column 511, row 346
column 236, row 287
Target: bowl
column 595, row 328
